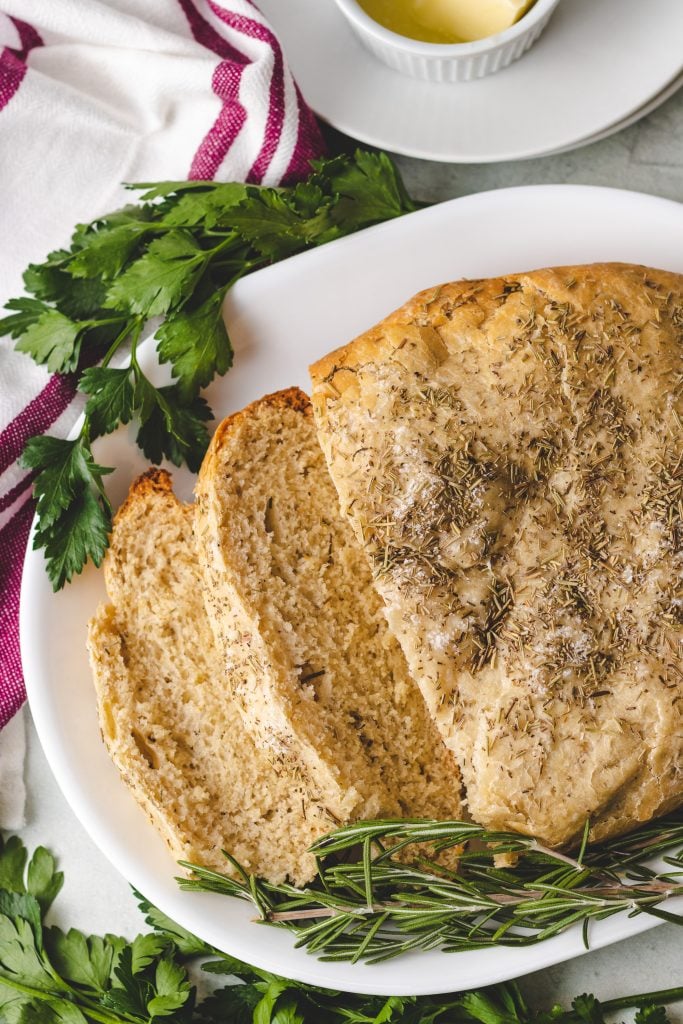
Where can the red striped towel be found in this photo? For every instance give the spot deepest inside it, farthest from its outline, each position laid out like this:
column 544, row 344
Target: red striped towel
column 91, row 95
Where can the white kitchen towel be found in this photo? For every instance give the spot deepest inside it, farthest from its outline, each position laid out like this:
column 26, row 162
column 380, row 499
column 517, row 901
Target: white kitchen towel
column 94, row 94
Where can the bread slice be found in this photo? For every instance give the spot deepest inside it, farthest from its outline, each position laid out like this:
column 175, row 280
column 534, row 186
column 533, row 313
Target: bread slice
column 317, row 675
column 509, row 453
column 166, row 714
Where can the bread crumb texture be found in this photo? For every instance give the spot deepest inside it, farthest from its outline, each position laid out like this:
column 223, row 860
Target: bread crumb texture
column 322, row 685
column 166, row 715
column 510, row 454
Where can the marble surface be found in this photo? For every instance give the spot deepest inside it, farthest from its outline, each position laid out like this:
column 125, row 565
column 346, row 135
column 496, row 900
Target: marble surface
column 647, row 157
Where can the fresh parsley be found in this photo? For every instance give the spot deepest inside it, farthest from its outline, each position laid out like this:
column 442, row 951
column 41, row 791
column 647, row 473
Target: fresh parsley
column 50, row 976
column 172, row 256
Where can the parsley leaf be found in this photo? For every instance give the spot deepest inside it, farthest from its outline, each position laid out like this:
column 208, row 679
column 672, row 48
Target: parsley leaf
column 82, row 961
column 64, row 469
column 172, row 989
column 163, row 189
column 73, row 519
column 160, row 279
column 13, row 857
column 234, row 1003
column 52, row 282
column 369, row 188
column 80, row 533
column 651, row 1015
column 207, row 208
column 108, row 250
column 28, row 312
column 287, row 1013
column 196, row 344
column 111, row 398
column 270, row 221
column 175, row 431
column 54, row 340
column 43, row 881
column 587, row 1009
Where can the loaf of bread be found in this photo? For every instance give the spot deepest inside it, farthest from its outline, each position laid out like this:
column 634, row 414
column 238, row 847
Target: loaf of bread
column 166, row 713
column 510, row 454
column 304, row 644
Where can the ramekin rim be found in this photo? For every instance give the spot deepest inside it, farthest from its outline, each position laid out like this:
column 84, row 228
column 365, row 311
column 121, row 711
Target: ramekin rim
column 417, row 47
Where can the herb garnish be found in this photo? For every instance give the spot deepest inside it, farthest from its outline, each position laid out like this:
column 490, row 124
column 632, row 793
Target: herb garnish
column 174, row 255
column 372, row 906
column 48, row 976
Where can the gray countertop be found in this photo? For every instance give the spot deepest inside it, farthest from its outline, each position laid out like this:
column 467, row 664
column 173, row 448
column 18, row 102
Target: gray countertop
column 647, row 157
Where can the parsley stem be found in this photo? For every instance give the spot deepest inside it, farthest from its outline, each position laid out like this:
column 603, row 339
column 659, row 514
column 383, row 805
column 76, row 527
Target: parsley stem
column 130, row 325
column 228, row 240
column 661, row 998
column 103, row 323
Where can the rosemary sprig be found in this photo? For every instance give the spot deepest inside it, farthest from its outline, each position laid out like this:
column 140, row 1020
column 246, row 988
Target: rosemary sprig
column 382, row 892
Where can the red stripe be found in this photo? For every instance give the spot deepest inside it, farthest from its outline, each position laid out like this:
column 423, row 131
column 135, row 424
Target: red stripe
column 203, row 32
column 28, row 37
column 226, row 85
column 12, row 71
column 227, row 126
column 24, row 485
column 276, row 106
column 13, row 540
column 36, row 417
column 13, row 61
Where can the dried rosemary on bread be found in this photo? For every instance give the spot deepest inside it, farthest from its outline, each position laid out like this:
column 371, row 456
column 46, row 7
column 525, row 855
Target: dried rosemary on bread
column 166, row 714
column 305, row 647
column 510, row 454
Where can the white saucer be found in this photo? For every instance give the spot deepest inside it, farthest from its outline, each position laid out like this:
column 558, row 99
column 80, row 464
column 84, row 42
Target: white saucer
column 597, row 63
column 647, row 108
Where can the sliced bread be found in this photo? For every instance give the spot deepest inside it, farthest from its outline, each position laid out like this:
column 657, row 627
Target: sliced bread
column 317, row 675
column 166, row 714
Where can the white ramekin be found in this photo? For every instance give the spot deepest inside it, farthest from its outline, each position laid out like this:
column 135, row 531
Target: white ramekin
column 442, row 62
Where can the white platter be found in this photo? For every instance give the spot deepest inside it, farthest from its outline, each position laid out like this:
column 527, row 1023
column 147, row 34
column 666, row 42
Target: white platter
column 280, row 320
column 597, row 62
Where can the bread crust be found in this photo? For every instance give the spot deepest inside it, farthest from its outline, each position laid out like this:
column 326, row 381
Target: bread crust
column 570, row 376
column 370, row 346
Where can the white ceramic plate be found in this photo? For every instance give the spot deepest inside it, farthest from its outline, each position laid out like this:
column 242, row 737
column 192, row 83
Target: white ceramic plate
column 280, row 320
column 597, row 62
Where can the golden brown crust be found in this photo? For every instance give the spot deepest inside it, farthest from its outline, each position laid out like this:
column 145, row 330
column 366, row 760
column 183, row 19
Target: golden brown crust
column 152, row 481
column 369, row 345
column 509, row 452
column 289, row 398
